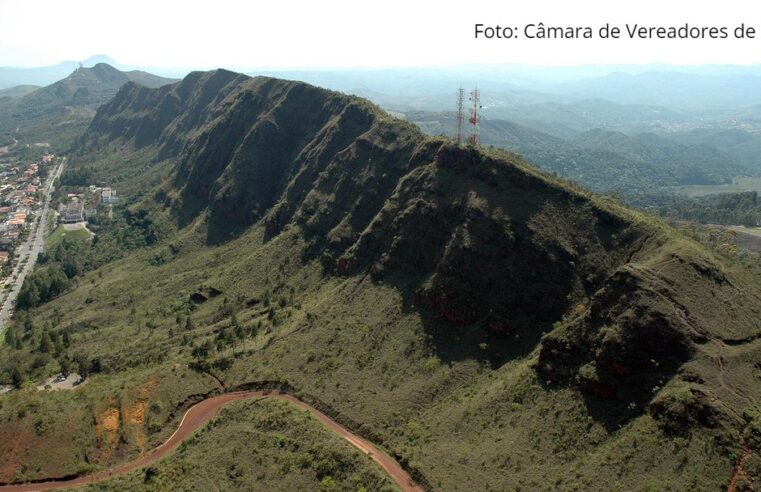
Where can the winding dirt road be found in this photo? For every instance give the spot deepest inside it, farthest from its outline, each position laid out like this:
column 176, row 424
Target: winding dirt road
column 198, row 415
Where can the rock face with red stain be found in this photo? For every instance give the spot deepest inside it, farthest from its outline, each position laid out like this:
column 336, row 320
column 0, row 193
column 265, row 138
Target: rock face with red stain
column 485, row 243
column 473, row 237
column 623, row 347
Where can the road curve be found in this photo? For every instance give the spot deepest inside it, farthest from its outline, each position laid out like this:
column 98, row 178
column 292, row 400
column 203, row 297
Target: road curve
column 198, row 415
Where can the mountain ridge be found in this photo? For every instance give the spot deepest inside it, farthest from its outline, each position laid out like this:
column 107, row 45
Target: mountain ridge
column 457, row 304
column 68, row 104
column 241, row 169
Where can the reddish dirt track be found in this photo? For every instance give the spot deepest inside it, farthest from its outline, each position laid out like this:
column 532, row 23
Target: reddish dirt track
column 198, row 415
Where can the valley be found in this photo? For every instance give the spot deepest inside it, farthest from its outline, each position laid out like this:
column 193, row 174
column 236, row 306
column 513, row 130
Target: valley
column 739, row 184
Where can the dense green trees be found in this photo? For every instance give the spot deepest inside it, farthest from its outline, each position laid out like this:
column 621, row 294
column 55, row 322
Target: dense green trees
column 70, row 258
column 17, row 377
column 77, row 177
column 44, row 284
column 726, row 209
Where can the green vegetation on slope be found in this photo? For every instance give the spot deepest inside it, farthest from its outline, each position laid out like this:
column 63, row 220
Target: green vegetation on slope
column 60, row 233
column 268, row 445
column 18, row 91
column 61, row 111
column 69, row 256
column 492, row 327
column 725, row 208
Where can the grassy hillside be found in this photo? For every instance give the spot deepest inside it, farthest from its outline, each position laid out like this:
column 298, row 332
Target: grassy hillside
column 18, row 91
column 492, row 327
column 269, row 445
column 59, row 112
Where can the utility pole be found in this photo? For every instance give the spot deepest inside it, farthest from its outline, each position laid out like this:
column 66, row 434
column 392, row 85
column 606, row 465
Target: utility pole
column 460, row 111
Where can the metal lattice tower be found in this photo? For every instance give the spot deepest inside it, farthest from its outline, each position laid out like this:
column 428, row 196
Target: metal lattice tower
column 475, row 133
column 460, row 113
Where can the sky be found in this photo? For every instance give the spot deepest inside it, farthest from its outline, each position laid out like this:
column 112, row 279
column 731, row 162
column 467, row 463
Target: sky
column 356, row 34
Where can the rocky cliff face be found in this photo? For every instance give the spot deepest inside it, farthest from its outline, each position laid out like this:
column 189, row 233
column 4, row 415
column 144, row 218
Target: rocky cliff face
column 481, row 241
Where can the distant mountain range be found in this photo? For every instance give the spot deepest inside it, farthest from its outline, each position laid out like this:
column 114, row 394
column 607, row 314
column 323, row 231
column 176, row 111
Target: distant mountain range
column 603, row 131
column 603, row 159
column 41, row 76
column 672, row 89
column 681, row 87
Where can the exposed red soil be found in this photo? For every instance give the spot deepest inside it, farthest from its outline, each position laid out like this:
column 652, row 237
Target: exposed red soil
column 740, row 472
column 198, row 415
column 10, row 460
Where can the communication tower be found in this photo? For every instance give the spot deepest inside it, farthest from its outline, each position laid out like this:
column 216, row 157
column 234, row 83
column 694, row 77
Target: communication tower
column 475, row 133
column 460, row 113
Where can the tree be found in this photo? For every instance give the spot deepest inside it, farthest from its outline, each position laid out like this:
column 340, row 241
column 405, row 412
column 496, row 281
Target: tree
column 17, row 378
column 58, row 343
column 83, row 364
column 202, row 352
column 12, row 337
column 46, row 344
column 65, row 365
column 240, row 332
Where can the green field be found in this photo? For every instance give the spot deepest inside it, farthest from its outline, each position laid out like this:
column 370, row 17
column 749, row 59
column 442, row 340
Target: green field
column 753, row 231
column 60, row 232
column 739, row 184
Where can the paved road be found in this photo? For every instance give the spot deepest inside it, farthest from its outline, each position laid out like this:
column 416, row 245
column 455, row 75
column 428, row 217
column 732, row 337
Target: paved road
column 200, row 414
column 29, row 250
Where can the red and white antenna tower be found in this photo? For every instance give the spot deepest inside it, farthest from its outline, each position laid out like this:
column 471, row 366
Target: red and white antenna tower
column 460, row 113
column 475, row 134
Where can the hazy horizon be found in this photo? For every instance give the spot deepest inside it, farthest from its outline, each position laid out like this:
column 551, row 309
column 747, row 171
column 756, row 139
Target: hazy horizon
column 517, row 72
column 239, row 35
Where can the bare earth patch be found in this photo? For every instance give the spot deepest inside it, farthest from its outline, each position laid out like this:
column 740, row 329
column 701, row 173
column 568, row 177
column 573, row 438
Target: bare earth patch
column 107, row 429
column 134, row 415
column 72, row 382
